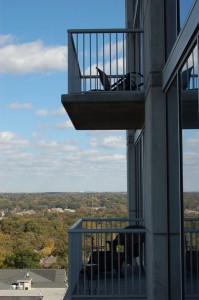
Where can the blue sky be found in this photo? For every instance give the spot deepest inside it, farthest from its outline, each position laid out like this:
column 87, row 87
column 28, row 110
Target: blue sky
column 40, row 149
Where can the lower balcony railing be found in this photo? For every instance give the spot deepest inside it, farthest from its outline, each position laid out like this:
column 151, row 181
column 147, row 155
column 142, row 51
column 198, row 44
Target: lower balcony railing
column 107, row 259
column 102, row 258
column 192, row 257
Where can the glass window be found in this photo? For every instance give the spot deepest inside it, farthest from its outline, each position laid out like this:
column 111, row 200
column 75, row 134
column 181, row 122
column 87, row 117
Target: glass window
column 190, row 151
column 185, row 7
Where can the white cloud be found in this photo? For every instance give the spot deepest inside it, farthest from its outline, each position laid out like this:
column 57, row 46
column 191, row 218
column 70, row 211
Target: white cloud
column 110, row 142
column 19, row 105
column 105, row 132
column 64, row 125
column 45, row 126
column 6, row 39
column 50, row 165
column 59, row 112
column 42, row 112
column 32, row 57
column 36, row 135
column 114, row 142
column 117, row 48
column 93, row 142
column 45, row 112
column 10, row 139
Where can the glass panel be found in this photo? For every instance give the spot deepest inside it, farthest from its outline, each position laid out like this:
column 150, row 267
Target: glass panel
column 190, row 148
column 185, row 7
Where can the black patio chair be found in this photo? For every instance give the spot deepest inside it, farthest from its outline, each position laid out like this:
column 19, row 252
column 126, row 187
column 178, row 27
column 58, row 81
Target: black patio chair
column 185, row 78
column 131, row 81
column 106, row 261
column 132, row 243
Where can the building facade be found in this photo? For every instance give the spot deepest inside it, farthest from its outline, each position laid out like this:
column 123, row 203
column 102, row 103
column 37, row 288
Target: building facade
column 161, row 54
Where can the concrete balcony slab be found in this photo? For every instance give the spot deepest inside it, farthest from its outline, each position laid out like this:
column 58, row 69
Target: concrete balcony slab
column 121, row 110
column 100, row 110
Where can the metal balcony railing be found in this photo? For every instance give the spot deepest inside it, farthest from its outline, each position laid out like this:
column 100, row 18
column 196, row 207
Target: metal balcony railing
column 109, row 50
column 107, row 259
column 189, row 73
column 192, row 256
column 103, row 258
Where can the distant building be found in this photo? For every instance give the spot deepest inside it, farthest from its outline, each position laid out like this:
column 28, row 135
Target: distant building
column 32, row 284
column 47, row 262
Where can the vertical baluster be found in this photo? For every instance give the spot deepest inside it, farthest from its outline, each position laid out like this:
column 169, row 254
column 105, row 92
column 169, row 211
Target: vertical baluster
column 112, row 262
column 84, row 265
column 132, row 265
column 126, row 245
column 83, row 62
column 90, row 36
column 139, row 253
column 119, row 264
column 191, row 259
column 123, row 55
column 105, row 282
column 76, row 64
column 103, row 51
column 197, row 272
column 110, row 55
column 96, row 84
column 116, row 43
column 98, row 265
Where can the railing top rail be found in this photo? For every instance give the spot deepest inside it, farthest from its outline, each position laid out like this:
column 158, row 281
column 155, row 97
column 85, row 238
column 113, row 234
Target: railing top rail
column 77, row 227
column 121, row 230
column 191, row 219
column 113, row 219
column 106, row 30
column 191, row 230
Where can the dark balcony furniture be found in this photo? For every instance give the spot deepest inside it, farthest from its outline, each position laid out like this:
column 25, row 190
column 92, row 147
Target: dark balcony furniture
column 185, row 77
column 131, row 81
column 132, row 243
column 192, row 261
column 106, row 261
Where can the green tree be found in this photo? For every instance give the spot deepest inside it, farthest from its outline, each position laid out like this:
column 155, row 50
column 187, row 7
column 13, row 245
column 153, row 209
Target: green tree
column 23, row 258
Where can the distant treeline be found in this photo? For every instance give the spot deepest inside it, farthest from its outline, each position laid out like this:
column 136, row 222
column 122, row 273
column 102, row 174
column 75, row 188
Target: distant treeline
column 30, row 239
column 40, row 234
column 191, row 201
column 45, row 201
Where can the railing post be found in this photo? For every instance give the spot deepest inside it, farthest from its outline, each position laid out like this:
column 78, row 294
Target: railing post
column 75, row 259
column 74, row 75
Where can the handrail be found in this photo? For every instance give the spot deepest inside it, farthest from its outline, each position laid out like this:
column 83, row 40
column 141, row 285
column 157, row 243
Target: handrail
column 106, row 30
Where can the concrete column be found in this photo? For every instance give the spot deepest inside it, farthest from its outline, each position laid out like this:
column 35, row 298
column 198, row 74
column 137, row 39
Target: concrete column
column 161, row 192
column 175, row 207
column 155, row 194
column 131, row 189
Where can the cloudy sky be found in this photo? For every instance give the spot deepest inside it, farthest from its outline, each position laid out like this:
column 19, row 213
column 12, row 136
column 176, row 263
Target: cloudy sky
column 40, row 149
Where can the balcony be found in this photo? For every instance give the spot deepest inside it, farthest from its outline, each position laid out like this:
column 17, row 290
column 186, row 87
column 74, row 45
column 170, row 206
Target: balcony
column 90, row 102
column 192, row 257
column 102, row 259
column 107, row 259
